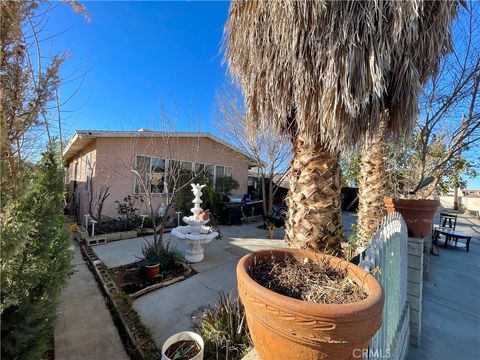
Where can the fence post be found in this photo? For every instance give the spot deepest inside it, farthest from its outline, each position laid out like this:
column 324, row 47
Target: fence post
column 415, row 286
column 388, row 252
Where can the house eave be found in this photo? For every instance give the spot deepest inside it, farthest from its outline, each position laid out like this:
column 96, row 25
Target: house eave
column 82, row 138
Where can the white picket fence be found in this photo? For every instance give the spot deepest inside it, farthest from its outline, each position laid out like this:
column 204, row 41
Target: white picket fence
column 386, row 257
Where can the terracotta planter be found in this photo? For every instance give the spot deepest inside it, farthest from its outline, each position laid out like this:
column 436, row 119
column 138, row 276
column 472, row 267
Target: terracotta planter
column 418, row 214
column 152, row 270
column 287, row 328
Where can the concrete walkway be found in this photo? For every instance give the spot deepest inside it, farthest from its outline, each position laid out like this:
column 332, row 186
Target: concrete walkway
column 451, row 302
column 170, row 310
column 84, row 328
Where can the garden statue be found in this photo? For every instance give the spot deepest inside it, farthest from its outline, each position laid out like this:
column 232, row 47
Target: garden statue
column 195, row 233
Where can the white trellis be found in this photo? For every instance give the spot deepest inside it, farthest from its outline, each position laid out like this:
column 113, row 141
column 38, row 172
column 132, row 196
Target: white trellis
column 386, row 257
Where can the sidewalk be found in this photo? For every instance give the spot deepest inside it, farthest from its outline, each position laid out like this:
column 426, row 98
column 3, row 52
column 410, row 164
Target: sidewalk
column 451, row 293
column 84, row 328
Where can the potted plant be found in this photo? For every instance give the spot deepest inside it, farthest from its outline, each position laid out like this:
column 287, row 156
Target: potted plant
column 417, row 213
column 151, row 259
column 185, row 345
column 152, row 266
column 300, row 329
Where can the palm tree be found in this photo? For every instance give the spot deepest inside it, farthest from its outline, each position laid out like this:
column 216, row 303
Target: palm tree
column 372, row 184
column 324, row 72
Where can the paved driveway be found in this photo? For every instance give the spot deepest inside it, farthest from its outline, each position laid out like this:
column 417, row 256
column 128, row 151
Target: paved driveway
column 451, row 293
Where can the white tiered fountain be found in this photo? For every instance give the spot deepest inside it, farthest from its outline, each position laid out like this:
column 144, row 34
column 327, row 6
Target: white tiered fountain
column 196, row 234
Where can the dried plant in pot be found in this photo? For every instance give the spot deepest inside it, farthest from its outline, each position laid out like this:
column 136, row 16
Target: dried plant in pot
column 185, row 345
column 417, row 213
column 291, row 328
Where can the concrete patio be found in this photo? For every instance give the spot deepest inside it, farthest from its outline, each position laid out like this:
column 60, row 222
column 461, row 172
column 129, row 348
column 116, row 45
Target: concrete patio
column 451, row 316
column 451, row 293
column 170, row 310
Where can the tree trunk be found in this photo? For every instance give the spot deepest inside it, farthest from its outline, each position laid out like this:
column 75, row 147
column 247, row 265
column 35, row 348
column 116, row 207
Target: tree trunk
column 314, row 216
column 372, row 185
column 455, row 198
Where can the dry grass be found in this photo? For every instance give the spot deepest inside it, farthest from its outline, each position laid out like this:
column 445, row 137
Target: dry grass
column 315, row 282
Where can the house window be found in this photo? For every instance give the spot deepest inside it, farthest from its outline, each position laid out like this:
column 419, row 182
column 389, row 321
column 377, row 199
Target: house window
column 221, row 172
column 152, row 172
column 157, row 167
column 88, row 171
column 173, row 174
column 186, row 165
column 209, row 170
column 199, row 168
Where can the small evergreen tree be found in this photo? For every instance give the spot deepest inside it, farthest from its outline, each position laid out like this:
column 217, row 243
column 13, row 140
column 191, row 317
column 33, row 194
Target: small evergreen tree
column 35, row 262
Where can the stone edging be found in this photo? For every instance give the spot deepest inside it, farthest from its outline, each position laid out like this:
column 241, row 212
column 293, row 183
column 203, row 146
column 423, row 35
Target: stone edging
column 137, row 339
column 162, row 284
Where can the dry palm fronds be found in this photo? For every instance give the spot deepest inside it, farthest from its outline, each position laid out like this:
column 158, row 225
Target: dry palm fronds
column 335, row 64
column 316, row 282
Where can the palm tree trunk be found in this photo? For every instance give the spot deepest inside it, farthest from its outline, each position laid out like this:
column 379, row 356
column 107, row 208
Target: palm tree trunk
column 314, row 215
column 372, row 185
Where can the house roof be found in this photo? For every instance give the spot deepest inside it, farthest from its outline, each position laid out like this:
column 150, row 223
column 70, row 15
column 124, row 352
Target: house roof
column 82, row 138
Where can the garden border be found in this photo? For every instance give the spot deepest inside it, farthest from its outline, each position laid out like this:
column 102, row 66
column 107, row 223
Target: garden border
column 136, row 337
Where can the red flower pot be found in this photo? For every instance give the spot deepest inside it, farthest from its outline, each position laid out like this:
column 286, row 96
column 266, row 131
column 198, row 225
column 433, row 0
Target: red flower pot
column 418, row 214
column 152, row 270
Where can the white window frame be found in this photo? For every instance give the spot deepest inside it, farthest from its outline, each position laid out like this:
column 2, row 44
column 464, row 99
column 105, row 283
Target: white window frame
column 215, row 174
column 165, row 179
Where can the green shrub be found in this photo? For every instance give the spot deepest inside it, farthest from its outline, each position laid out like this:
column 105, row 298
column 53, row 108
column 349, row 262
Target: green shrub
column 35, row 262
column 224, row 329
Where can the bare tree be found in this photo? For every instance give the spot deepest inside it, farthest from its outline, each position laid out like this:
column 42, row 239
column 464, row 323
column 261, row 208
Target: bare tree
column 30, row 81
column 447, row 133
column 269, row 148
column 99, row 191
column 163, row 177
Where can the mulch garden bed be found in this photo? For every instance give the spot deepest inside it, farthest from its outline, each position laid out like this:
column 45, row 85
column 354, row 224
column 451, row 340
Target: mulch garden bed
column 132, row 278
column 315, row 282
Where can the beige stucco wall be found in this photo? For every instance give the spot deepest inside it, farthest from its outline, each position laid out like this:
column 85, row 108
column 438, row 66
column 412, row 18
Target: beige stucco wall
column 84, row 163
column 113, row 157
column 471, row 202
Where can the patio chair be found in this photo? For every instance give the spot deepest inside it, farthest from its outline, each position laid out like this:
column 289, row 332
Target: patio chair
column 446, row 220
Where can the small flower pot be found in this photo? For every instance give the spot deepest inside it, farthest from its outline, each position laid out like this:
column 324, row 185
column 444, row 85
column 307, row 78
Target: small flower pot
column 152, row 270
column 288, row 328
column 418, row 214
column 184, row 336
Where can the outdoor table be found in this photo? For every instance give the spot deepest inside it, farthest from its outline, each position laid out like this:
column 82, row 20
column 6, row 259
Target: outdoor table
column 453, row 235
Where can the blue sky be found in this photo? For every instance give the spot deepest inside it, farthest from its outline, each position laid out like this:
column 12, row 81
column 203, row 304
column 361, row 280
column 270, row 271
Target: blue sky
column 140, row 55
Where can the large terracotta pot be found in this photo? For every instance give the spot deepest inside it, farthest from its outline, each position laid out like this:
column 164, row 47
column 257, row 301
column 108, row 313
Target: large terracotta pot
column 283, row 328
column 418, row 214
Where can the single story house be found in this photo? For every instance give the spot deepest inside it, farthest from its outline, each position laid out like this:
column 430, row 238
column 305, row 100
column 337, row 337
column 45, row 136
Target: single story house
column 97, row 159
